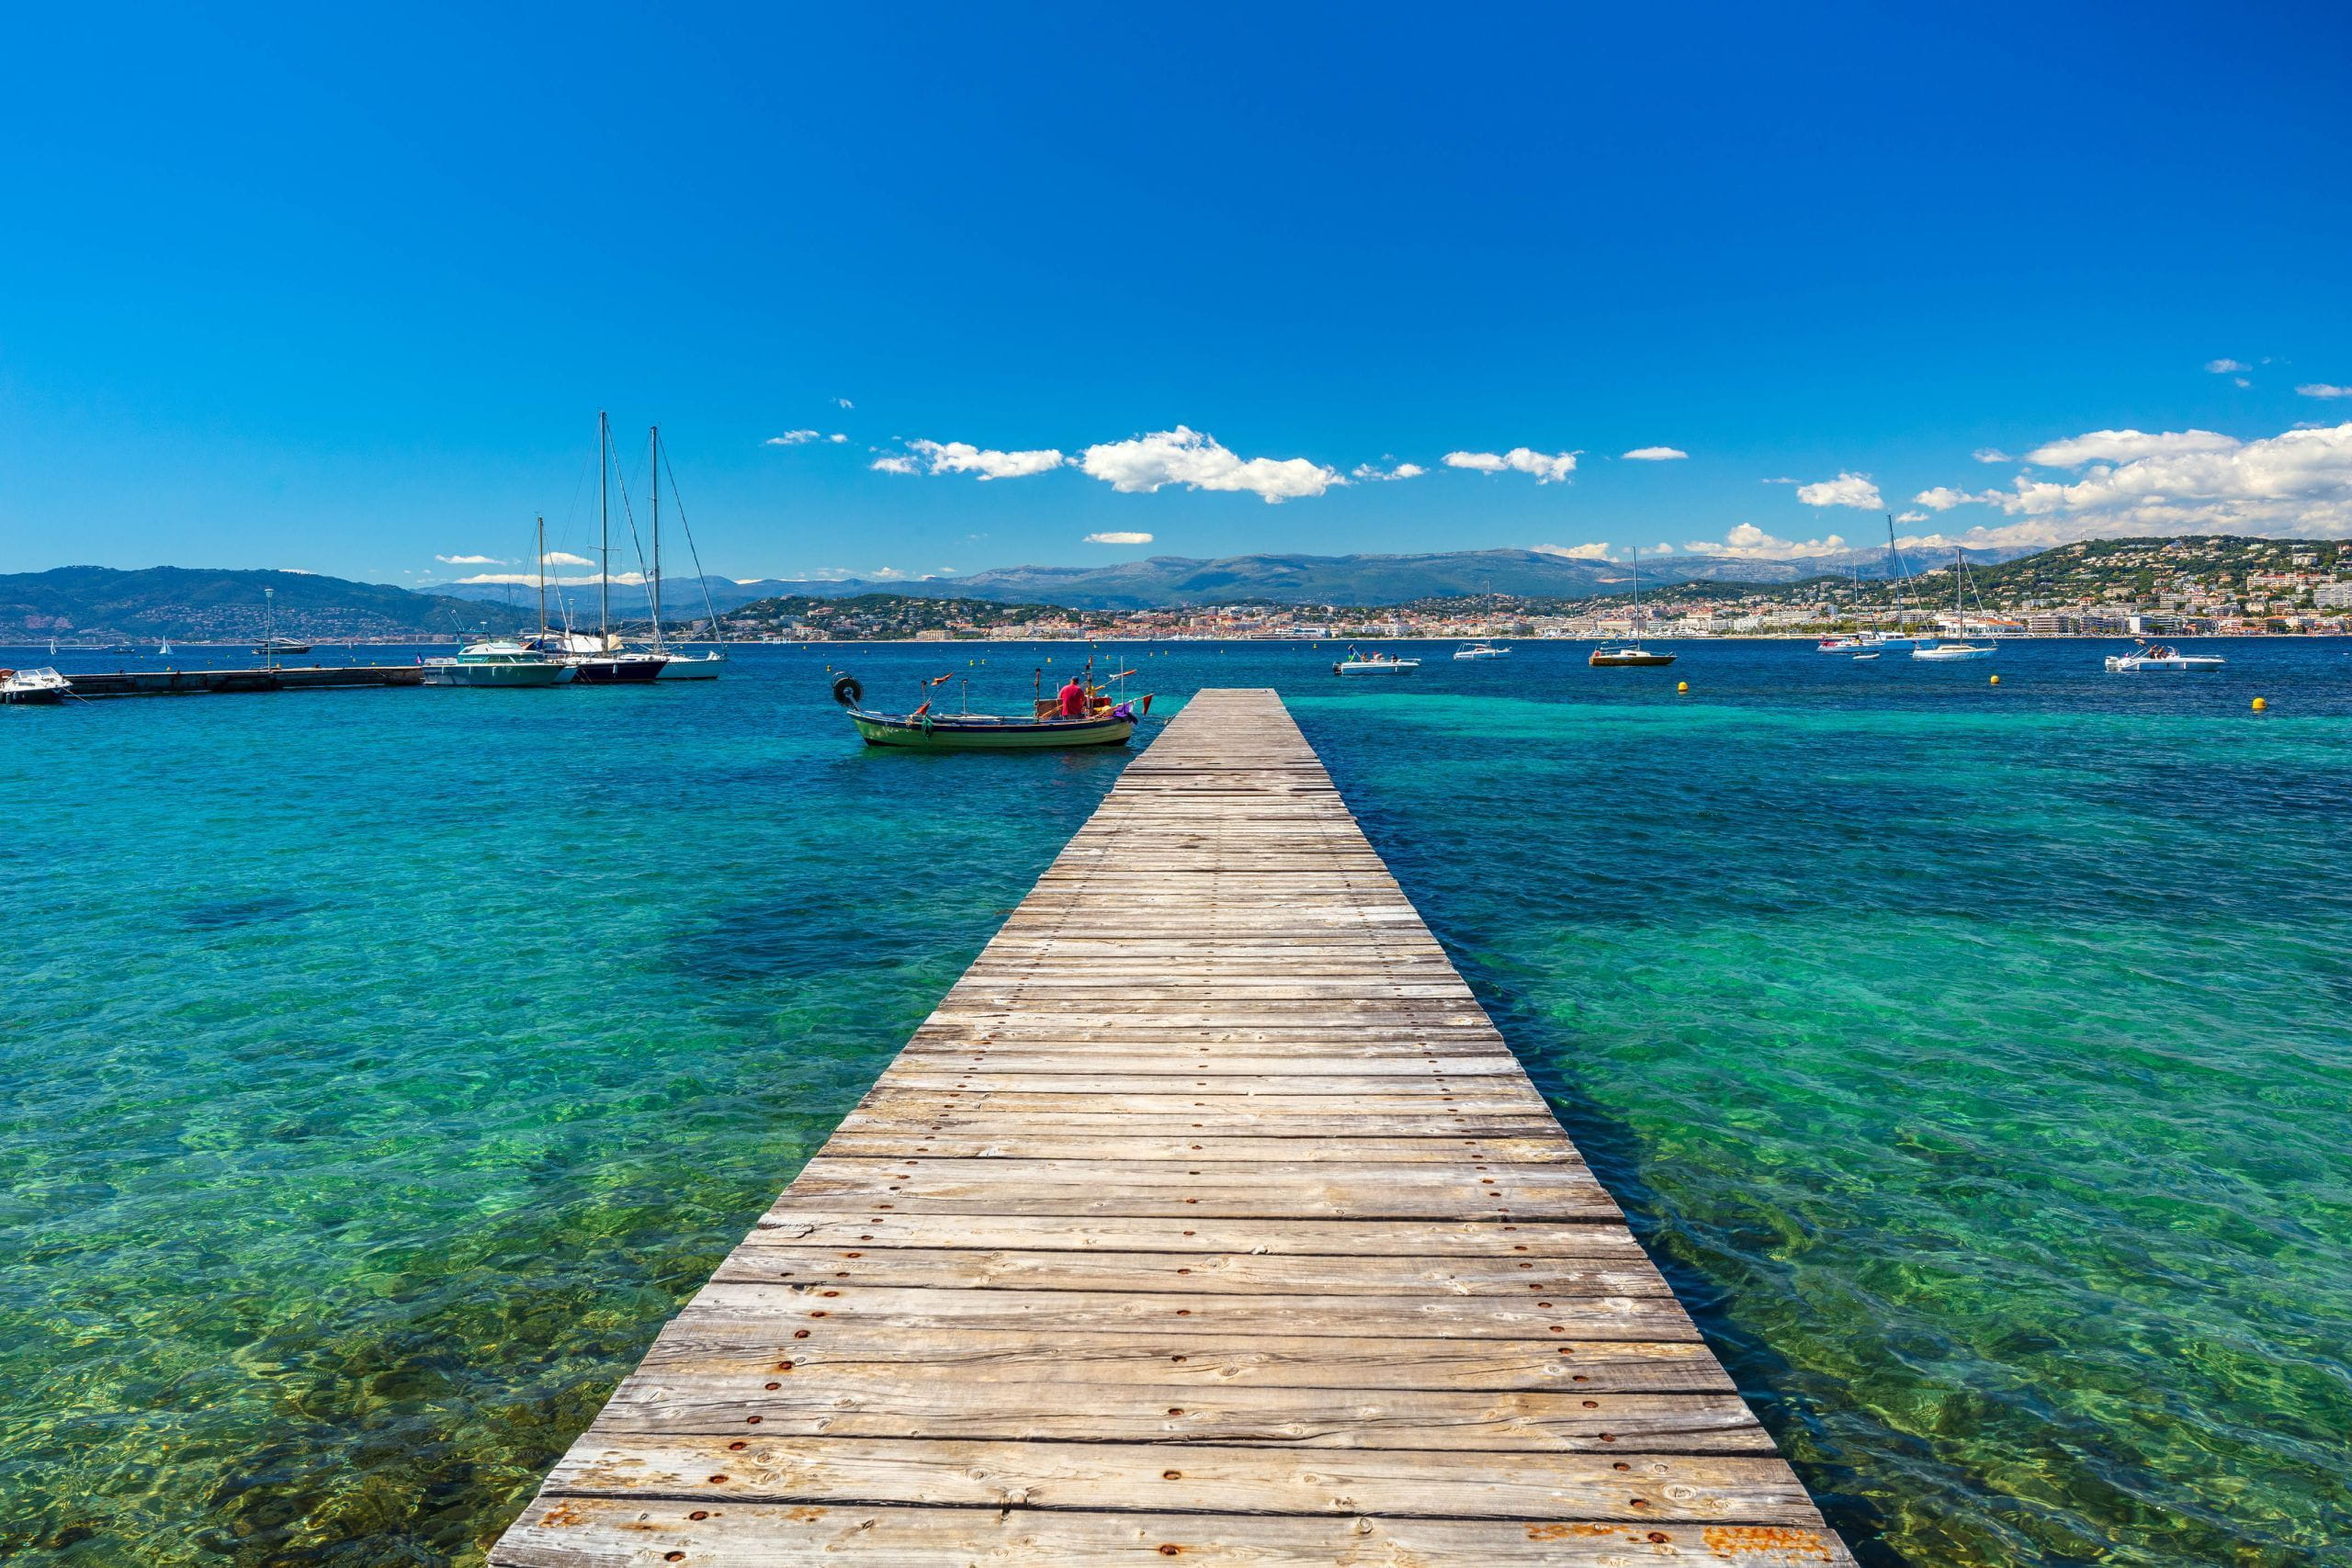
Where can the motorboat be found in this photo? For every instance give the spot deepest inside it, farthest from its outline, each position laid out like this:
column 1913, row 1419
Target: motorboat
column 1104, row 723
column 1861, row 644
column 498, row 663
column 2162, row 655
column 1950, row 650
column 42, row 686
column 274, row 645
column 1481, row 650
column 1373, row 664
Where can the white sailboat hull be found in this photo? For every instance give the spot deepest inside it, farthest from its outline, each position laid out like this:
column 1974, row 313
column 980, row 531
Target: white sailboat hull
column 694, row 667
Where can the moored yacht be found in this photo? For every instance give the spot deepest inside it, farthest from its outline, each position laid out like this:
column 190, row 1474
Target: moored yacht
column 1481, row 650
column 43, row 685
column 2162, row 655
column 502, row 663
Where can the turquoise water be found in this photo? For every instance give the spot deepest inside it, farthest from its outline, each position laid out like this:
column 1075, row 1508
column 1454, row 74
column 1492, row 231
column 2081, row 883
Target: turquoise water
column 384, row 1067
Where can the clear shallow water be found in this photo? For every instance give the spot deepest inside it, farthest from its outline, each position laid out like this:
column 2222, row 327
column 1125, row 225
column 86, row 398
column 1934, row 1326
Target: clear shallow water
column 384, row 1067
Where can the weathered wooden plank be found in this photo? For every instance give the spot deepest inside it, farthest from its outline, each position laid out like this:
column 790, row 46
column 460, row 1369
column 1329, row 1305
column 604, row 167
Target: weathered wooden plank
column 853, row 1354
column 1194, row 1477
column 1207, row 1215
column 584, row 1532
column 1459, row 1236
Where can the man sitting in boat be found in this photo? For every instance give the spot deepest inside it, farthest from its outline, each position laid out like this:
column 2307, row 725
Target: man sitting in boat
column 1074, row 699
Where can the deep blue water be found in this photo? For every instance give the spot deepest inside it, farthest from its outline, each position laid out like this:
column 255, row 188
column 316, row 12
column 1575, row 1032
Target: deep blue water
column 384, row 1067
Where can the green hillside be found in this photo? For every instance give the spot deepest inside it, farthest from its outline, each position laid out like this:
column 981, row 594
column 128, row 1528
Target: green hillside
column 85, row 603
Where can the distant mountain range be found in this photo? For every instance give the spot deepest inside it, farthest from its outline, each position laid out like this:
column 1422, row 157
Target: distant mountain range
column 196, row 604
column 85, row 602
column 1165, row 582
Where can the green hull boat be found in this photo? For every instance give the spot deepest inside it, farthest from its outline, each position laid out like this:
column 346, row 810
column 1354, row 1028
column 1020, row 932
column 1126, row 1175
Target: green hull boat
column 985, row 732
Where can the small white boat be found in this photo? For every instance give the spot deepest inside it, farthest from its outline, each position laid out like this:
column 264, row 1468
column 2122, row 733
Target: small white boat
column 694, row 666
column 498, row 664
column 164, row 648
column 1373, row 664
column 30, row 686
column 2161, row 656
column 1952, row 650
column 1481, row 650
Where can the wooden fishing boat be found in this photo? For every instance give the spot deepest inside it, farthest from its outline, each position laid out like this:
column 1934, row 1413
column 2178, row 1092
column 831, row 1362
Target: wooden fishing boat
column 1106, row 722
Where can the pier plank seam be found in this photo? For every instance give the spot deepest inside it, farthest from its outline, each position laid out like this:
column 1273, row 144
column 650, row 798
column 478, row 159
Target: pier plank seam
column 1208, row 1217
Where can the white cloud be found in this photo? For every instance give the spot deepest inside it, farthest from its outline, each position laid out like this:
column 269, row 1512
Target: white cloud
column 469, row 560
column 2225, row 367
column 1656, row 454
column 1118, row 538
column 895, row 464
column 2240, row 381
column 2321, row 389
column 1910, row 517
column 1185, row 457
column 521, row 579
column 1748, row 542
column 1943, row 498
column 1597, row 551
column 837, row 439
column 1373, row 472
column 963, row 457
column 2126, row 447
column 564, row 558
column 1991, row 455
column 845, row 403
column 1846, row 490
column 2297, row 483
column 790, row 438
column 1548, row 467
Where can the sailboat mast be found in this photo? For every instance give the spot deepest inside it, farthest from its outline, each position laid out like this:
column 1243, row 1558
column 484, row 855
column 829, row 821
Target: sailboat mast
column 604, row 535
column 543, row 578
column 653, row 461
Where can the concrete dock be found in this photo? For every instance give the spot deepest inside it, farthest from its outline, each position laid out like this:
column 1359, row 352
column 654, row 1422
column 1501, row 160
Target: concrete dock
column 1208, row 1218
column 198, row 682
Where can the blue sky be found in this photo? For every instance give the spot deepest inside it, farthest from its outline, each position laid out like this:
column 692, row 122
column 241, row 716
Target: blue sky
column 345, row 291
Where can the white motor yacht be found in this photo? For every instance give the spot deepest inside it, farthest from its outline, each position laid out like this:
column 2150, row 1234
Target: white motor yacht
column 1481, row 650
column 1953, row 650
column 41, row 685
column 2162, row 655
column 498, row 663
column 1373, row 664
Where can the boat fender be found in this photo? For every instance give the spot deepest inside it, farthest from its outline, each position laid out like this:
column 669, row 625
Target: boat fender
column 1124, row 710
column 847, row 691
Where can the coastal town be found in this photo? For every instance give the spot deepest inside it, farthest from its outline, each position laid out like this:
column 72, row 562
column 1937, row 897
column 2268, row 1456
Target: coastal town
column 2181, row 587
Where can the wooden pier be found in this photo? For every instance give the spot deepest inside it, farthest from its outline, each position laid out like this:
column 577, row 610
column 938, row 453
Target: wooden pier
column 174, row 683
column 1208, row 1218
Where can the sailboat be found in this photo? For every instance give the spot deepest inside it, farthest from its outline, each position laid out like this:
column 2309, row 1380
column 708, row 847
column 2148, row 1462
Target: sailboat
column 1616, row 655
column 704, row 666
column 1900, row 640
column 164, row 648
column 602, row 660
column 1954, row 651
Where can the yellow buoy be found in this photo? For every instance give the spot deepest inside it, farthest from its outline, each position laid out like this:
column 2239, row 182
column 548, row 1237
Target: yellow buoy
column 2261, row 704
column 1682, row 685
column 1997, row 679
